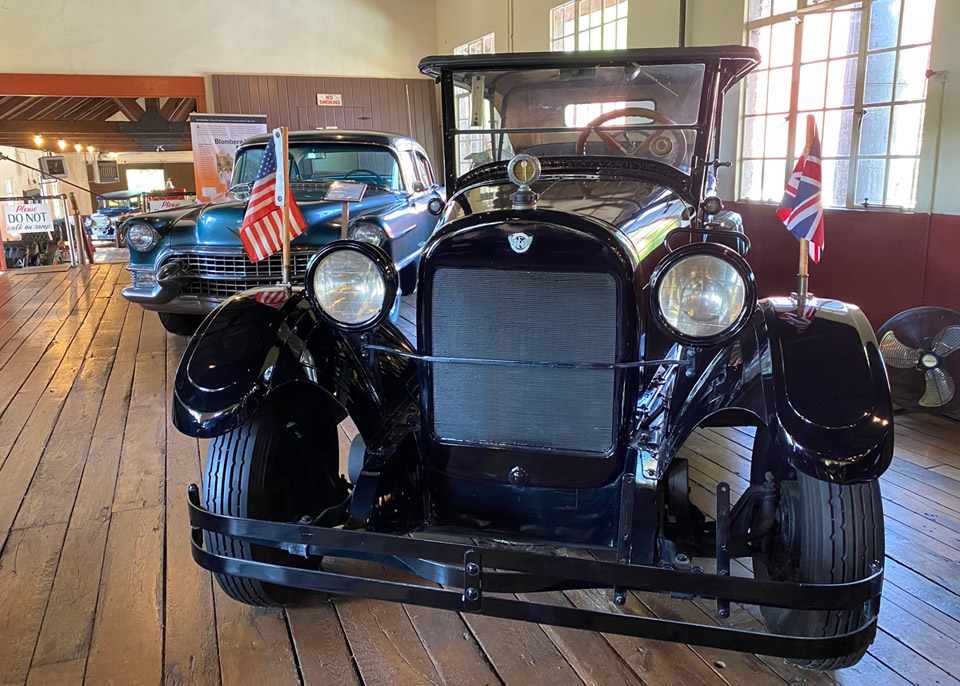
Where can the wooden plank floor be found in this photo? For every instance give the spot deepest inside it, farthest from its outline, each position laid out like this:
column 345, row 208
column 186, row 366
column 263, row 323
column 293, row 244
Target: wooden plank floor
column 97, row 585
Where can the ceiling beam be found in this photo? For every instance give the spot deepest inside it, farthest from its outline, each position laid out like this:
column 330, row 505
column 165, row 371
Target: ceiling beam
column 130, row 108
column 11, row 104
column 178, row 109
column 103, row 86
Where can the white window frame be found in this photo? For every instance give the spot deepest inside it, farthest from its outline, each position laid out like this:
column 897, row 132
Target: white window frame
column 468, row 144
column 478, row 46
column 617, row 24
column 806, row 7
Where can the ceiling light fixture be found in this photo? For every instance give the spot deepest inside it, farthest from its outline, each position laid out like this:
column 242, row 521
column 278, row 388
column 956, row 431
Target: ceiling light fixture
column 38, row 140
column 62, row 144
column 90, row 149
column 78, row 147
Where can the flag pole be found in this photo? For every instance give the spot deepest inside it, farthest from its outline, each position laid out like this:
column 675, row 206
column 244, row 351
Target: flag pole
column 803, row 276
column 285, row 269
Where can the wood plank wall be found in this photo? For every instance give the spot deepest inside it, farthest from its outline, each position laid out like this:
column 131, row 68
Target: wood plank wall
column 405, row 106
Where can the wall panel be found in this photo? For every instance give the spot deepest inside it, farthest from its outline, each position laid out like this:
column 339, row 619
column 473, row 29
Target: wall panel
column 405, row 106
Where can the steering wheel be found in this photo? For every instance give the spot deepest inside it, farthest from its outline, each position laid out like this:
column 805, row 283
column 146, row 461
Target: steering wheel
column 365, row 172
column 668, row 143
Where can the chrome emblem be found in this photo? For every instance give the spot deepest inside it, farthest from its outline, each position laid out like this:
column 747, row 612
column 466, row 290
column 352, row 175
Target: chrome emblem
column 520, row 242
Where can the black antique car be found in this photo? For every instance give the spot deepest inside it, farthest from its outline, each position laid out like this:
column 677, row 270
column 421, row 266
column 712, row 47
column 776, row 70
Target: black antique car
column 584, row 306
column 187, row 260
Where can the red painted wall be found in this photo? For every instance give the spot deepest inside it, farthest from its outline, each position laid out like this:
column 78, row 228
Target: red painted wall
column 884, row 262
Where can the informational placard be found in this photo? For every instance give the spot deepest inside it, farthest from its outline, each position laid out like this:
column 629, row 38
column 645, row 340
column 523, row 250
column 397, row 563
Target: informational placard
column 345, row 191
column 215, row 139
column 168, row 203
column 330, row 99
column 26, row 218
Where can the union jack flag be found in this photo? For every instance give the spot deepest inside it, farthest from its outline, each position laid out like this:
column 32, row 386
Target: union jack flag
column 262, row 229
column 801, row 209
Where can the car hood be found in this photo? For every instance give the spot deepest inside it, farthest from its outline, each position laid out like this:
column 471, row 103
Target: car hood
column 642, row 210
column 219, row 224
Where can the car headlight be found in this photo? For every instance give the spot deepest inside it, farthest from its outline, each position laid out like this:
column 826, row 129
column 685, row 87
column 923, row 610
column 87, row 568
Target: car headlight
column 702, row 294
column 367, row 232
column 353, row 283
column 141, row 237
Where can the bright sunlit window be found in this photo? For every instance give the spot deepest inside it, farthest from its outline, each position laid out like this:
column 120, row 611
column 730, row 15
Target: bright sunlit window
column 472, row 147
column 481, row 46
column 860, row 69
column 144, row 180
column 589, row 25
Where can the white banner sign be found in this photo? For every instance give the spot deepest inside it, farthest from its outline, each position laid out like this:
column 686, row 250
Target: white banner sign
column 168, row 203
column 329, row 99
column 215, row 139
column 24, row 218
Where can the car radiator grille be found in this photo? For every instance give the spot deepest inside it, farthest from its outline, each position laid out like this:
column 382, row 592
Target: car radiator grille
column 524, row 316
column 220, row 275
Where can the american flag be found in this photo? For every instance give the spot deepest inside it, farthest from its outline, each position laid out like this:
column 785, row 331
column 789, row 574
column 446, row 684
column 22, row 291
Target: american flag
column 801, row 209
column 262, row 230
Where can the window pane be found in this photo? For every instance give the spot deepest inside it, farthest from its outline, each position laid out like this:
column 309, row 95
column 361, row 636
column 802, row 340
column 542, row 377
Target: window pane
column 845, row 36
column 912, row 83
column 774, row 179
column 751, row 175
column 801, row 139
column 879, row 83
column 778, row 89
column 776, row 140
column 813, row 79
column 902, row 183
column 837, row 133
column 758, row 9
column 918, row 22
column 907, row 129
column 753, row 136
column 870, row 181
column 756, row 93
column 622, row 31
column 816, row 33
column 760, row 39
column 781, row 44
column 842, row 83
column 780, row 6
column 836, row 176
column 874, row 131
column 884, row 24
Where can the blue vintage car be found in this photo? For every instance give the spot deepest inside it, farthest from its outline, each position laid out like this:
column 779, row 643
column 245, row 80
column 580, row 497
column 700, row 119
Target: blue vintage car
column 185, row 261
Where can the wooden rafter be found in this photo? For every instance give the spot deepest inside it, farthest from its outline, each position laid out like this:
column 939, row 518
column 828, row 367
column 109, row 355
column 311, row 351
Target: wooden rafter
column 178, row 109
column 129, row 107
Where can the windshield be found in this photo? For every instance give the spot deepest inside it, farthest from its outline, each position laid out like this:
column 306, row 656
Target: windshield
column 643, row 111
column 327, row 162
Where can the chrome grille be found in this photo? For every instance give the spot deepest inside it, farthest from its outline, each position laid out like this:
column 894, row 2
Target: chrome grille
column 524, row 316
column 220, row 274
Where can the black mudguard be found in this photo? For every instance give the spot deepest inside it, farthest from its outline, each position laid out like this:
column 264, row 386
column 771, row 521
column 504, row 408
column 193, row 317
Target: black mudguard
column 815, row 386
column 248, row 349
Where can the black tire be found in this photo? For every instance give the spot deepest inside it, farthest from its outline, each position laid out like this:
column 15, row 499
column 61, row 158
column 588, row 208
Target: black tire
column 180, row 324
column 827, row 533
column 408, row 278
column 278, row 466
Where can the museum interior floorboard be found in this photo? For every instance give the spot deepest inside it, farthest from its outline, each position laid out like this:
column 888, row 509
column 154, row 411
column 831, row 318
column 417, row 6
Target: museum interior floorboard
column 97, row 583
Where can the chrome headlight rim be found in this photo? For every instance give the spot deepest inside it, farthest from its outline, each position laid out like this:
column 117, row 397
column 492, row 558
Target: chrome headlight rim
column 154, row 236
column 366, row 225
column 722, row 252
column 387, row 270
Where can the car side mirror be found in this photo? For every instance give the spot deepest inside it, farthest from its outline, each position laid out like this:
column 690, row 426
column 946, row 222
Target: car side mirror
column 418, row 187
column 435, row 207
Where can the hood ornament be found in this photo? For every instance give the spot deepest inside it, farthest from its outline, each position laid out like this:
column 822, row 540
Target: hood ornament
column 520, row 242
column 524, row 170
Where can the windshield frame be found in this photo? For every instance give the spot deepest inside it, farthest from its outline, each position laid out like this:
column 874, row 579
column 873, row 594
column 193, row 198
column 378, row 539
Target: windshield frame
column 723, row 66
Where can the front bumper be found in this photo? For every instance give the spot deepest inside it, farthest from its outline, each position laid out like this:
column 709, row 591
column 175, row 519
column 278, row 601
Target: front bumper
column 162, row 292
column 469, row 567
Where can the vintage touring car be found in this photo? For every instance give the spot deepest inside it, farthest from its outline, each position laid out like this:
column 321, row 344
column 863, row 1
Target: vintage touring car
column 584, row 306
column 186, row 261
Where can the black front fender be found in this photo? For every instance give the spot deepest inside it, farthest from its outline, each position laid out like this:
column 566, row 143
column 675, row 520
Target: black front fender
column 250, row 347
column 816, row 386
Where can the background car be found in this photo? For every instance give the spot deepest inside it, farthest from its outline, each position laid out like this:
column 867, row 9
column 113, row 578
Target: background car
column 114, row 208
column 185, row 261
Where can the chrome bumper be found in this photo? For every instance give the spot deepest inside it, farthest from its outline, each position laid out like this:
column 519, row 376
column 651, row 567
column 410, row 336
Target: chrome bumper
column 163, row 293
